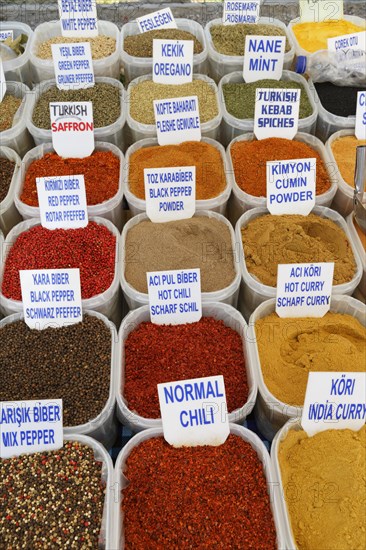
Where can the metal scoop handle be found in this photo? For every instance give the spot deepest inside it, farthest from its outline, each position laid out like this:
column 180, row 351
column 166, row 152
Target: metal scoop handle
column 360, row 182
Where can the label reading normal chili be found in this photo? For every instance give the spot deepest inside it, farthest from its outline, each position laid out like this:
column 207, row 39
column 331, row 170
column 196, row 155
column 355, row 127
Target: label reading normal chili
column 73, row 65
column 72, row 128
column 241, row 12
column 172, row 61
column 276, row 113
column 194, row 412
column 263, row 57
column 177, row 120
column 162, row 19
column 78, row 18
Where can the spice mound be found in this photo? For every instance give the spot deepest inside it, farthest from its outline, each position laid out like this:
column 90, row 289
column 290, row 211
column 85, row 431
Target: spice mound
column 100, row 170
column 250, row 157
column 8, row 109
column 70, row 362
column 230, row 39
column 344, row 151
column 294, row 239
column 217, row 497
column 105, row 98
column 141, row 45
column 240, row 97
column 290, row 348
column 324, row 481
column 314, row 36
column 143, row 94
column 101, row 45
column 17, row 44
column 51, row 500
column 7, row 168
column 155, row 354
column 199, row 242
column 210, row 171
column 338, row 100
column 92, row 249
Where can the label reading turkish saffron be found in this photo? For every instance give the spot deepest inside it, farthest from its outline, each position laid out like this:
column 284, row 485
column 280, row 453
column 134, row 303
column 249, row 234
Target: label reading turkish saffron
column 194, row 412
column 72, row 129
column 2, row 82
column 62, row 202
column 162, row 19
column 28, row 427
column 170, row 193
column 172, row 61
column 314, row 11
column 78, row 18
column 177, row 120
column 175, row 296
column 304, row 290
column 263, row 57
column 73, row 66
column 291, row 186
column 360, row 128
column 241, row 12
column 6, row 34
column 276, row 113
column 51, row 297
column 334, row 401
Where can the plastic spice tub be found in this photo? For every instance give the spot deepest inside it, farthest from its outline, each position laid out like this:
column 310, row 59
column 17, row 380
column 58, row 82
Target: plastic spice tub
column 18, row 69
column 17, row 137
column 232, row 127
column 113, row 133
column 110, row 209
column 361, row 252
column 221, row 64
column 271, row 413
column 138, row 66
column 224, row 312
column 135, row 299
column 216, row 204
column 138, row 131
column 42, row 69
column 9, row 215
column 240, row 201
column 253, row 293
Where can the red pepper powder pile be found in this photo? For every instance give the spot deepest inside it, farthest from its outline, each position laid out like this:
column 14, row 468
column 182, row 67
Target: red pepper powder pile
column 196, row 497
column 91, row 248
column 155, row 354
column 100, row 170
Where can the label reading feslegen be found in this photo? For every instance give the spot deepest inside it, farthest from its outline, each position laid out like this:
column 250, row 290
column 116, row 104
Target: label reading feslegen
column 177, row 120
column 162, row 19
column 263, row 57
column 28, row 427
column 62, row 202
column 194, row 412
column 314, row 11
column 6, row 34
column 175, row 296
column 360, row 128
column 73, row 66
column 172, row 61
column 51, row 297
column 241, row 12
column 354, row 41
column 72, row 129
column 334, row 401
column 304, row 290
column 276, row 113
column 78, row 18
column 291, row 186
column 170, row 193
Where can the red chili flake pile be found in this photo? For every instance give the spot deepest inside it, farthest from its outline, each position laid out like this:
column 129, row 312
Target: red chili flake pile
column 155, row 354
column 91, row 248
column 100, row 170
column 196, row 497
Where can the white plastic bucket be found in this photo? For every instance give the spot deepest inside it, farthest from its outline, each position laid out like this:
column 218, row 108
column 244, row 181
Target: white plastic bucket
column 18, row 69
column 360, row 250
column 9, row 215
column 17, row 137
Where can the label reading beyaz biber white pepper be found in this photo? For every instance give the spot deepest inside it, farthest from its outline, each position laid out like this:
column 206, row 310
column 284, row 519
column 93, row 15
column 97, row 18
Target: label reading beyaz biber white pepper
column 360, row 128
column 314, row 11
column 194, row 412
column 263, row 57
column 172, row 61
column 28, row 427
column 276, row 112
column 73, row 66
column 241, row 12
column 177, row 120
column 78, row 18
column 162, row 19
column 72, row 128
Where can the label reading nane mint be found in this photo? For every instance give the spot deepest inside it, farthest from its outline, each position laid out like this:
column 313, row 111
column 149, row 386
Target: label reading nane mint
column 6, row 34
column 360, row 129
column 72, row 129
column 177, row 120
column 241, row 12
column 172, row 61
column 263, row 57
column 78, row 18
column 314, row 11
column 276, row 113
column 162, row 19
column 73, row 66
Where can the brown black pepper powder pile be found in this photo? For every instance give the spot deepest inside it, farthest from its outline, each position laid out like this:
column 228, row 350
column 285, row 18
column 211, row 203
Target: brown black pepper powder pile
column 6, row 173
column 72, row 363
column 51, row 500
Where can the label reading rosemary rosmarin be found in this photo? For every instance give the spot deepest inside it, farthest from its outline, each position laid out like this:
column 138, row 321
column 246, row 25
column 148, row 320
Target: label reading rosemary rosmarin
column 240, row 12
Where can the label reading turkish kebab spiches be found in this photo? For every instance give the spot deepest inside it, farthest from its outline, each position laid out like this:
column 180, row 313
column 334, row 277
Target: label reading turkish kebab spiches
column 276, row 113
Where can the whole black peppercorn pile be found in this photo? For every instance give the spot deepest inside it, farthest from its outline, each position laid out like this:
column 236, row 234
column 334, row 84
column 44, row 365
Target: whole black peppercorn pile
column 72, row 363
column 51, row 500
column 6, row 173
column 338, row 100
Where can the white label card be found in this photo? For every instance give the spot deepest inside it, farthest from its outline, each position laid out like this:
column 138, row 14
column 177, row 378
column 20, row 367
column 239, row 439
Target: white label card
column 72, row 128
column 78, row 18
column 241, row 12
column 2, row 82
column 62, row 202
column 175, row 296
column 172, row 61
column 28, row 427
column 314, row 11
column 73, row 66
column 276, row 113
column 360, row 129
column 170, row 193
column 162, row 19
column 6, row 34
column 334, row 401
column 355, row 41
column 291, row 186
column 177, row 120
column 194, row 412
column 51, row 297
column 263, row 57
column 304, row 290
